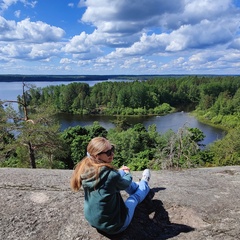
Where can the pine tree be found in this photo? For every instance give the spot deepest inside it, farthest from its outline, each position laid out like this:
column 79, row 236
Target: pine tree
column 33, row 127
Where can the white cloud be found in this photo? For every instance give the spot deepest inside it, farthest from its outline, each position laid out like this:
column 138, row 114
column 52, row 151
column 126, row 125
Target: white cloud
column 17, row 13
column 136, row 62
column 14, row 51
column 129, row 36
column 231, row 56
column 5, row 4
column 195, row 11
column 198, row 24
column 28, row 31
column 44, row 51
column 84, row 46
column 66, row 61
column 71, row 5
column 235, row 43
column 126, row 20
column 30, row 51
column 199, row 36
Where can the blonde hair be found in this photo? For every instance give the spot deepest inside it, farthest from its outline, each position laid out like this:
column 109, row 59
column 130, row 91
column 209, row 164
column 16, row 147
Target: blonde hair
column 95, row 146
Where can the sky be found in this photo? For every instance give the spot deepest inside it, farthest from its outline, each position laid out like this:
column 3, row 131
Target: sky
column 93, row 37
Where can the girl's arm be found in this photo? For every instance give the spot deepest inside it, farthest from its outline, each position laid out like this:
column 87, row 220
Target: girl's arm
column 124, row 179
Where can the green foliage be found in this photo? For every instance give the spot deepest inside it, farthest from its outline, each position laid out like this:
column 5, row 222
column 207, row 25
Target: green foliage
column 177, row 152
column 6, row 137
column 219, row 102
column 121, row 124
column 157, row 96
column 17, row 159
column 139, row 163
column 76, row 140
column 204, row 158
column 135, row 146
column 34, row 132
column 96, row 130
column 216, row 99
column 197, row 134
column 48, row 161
column 162, row 109
column 12, row 162
column 227, row 151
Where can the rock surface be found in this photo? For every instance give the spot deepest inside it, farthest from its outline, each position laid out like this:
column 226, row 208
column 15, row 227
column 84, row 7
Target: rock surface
column 194, row 204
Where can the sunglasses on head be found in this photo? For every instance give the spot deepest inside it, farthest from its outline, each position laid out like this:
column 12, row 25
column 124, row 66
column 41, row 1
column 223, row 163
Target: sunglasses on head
column 108, row 152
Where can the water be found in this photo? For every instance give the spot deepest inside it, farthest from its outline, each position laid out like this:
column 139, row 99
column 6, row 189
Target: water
column 174, row 121
column 10, row 90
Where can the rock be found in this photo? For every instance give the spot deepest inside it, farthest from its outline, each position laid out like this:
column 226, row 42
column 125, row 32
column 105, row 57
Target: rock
column 192, row 204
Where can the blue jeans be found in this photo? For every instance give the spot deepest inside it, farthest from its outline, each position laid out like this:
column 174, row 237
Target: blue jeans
column 137, row 192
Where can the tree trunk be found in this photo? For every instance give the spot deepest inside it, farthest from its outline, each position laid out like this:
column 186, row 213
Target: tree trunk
column 31, row 155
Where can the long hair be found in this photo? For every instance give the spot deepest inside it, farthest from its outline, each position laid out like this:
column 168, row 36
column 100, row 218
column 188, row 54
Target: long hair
column 95, row 146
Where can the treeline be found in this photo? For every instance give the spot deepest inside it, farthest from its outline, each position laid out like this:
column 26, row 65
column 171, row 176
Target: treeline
column 40, row 143
column 57, row 78
column 110, row 98
column 215, row 98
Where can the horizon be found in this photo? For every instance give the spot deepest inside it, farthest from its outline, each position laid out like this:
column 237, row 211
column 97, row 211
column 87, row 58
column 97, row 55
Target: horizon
column 114, row 75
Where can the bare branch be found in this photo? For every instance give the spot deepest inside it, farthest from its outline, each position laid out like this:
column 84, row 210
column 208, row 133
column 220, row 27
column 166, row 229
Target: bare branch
column 12, row 101
column 30, row 120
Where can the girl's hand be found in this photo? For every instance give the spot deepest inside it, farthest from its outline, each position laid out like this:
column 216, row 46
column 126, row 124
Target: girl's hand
column 125, row 169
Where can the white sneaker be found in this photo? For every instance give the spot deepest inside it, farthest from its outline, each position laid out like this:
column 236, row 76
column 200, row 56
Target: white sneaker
column 146, row 175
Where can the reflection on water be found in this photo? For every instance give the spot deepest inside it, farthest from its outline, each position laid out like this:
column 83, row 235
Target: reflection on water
column 172, row 121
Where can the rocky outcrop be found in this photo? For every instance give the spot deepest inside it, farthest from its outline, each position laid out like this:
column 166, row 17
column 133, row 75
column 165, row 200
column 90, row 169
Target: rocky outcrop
column 189, row 204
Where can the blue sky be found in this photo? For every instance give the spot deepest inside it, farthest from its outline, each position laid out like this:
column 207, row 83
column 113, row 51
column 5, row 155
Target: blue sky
column 120, row 37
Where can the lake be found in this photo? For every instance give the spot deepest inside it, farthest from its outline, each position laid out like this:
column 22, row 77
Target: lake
column 174, row 121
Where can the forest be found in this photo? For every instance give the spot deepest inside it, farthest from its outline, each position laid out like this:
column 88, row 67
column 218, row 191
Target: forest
column 67, row 78
column 32, row 136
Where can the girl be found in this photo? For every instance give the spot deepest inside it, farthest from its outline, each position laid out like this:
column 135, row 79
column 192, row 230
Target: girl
column 104, row 207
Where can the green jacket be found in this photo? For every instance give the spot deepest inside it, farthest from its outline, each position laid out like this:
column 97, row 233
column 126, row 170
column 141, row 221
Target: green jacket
column 104, row 207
